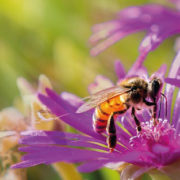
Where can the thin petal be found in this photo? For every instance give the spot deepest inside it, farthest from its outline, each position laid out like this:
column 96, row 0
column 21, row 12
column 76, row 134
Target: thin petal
column 176, row 114
column 138, row 69
column 169, row 88
column 28, row 163
column 94, row 165
column 61, row 138
column 51, row 154
column 160, row 72
column 173, row 81
column 119, row 69
column 71, row 99
column 157, row 20
column 43, row 84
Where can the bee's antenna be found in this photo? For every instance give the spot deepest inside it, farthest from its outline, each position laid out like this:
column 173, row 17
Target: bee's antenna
column 165, row 100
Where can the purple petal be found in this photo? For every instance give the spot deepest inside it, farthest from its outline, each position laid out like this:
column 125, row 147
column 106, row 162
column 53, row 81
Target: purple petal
column 173, row 81
column 100, row 83
column 122, row 137
column 160, row 72
column 159, row 22
column 116, row 36
column 36, row 133
column 169, row 88
column 28, row 163
column 138, row 69
column 47, row 154
column 94, row 165
column 127, row 125
column 81, row 122
column 60, row 138
column 119, row 69
column 71, row 99
column 176, row 114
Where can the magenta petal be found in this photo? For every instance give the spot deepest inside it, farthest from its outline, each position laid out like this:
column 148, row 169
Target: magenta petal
column 160, row 149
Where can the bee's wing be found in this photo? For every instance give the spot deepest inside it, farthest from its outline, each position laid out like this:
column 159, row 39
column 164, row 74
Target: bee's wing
column 101, row 96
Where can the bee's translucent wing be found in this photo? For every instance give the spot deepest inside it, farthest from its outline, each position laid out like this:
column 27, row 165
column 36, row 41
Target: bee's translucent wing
column 101, row 96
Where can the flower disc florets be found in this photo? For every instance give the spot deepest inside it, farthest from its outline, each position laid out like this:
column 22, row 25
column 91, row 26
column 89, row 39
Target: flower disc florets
column 160, row 141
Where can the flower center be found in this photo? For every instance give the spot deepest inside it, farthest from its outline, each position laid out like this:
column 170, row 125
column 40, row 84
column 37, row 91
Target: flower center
column 157, row 144
column 159, row 137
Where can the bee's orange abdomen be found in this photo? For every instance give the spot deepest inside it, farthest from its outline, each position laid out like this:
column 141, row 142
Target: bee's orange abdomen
column 104, row 111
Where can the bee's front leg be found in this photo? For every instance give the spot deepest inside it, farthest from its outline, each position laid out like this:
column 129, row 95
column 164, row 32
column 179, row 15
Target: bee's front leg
column 154, row 110
column 136, row 119
column 111, row 130
column 154, row 114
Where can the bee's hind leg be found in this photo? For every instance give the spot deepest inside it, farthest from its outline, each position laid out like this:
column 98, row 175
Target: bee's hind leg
column 136, row 119
column 111, row 130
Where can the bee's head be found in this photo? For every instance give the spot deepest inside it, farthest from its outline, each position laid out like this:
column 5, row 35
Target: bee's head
column 154, row 88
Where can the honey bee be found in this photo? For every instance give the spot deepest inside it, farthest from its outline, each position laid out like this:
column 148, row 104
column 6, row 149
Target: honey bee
column 109, row 103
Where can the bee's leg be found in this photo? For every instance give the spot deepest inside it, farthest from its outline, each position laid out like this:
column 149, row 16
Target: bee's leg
column 154, row 114
column 136, row 120
column 149, row 103
column 154, row 111
column 111, row 130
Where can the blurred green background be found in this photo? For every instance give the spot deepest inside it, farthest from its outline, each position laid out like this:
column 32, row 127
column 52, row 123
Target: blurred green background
column 51, row 37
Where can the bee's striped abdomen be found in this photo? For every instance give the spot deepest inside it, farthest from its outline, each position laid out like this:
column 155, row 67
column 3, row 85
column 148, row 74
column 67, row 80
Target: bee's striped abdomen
column 100, row 119
column 104, row 111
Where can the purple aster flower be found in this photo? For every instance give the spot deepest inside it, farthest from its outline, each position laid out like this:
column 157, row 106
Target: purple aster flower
column 158, row 21
column 156, row 147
